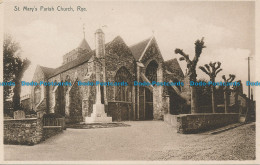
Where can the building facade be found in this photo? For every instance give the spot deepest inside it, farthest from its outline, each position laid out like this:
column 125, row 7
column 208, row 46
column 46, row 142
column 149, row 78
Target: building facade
column 120, row 63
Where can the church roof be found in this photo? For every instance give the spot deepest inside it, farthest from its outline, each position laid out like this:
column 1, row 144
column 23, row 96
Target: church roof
column 138, row 49
column 82, row 59
column 174, row 68
column 47, row 71
column 84, row 45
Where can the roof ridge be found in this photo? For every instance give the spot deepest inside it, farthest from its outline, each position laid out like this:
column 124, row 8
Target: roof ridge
column 45, row 67
column 79, row 61
column 141, row 41
column 171, row 59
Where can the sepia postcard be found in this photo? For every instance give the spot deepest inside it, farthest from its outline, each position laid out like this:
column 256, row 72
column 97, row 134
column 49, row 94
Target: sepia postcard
column 129, row 82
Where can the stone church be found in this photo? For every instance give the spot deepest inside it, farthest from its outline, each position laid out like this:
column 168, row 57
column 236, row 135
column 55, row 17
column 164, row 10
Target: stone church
column 118, row 62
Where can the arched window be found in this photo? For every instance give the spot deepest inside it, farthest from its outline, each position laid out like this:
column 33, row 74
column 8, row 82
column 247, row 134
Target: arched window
column 37, row 94
column 151, row 71
column 123, row 93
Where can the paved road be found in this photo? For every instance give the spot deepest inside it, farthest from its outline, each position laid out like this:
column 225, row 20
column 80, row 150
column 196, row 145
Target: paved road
column 143, row 140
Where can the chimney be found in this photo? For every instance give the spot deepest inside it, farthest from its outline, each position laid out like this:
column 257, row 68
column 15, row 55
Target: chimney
column 100, row 43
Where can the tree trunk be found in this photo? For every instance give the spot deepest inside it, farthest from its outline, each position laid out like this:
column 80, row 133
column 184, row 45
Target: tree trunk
column 16, row 96
column 225, row 100
column 194, row 105
column 213, row 99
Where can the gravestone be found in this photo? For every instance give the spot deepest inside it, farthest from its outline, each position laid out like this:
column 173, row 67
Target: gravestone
column 40, row 114
column 19, row 114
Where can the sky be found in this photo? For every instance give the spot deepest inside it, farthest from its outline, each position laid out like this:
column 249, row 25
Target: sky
column 228, row 29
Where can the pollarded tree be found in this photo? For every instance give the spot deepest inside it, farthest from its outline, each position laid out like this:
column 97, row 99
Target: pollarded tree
column 191, row 66
column 212, row 69
column 227, row 88
column 14, row 68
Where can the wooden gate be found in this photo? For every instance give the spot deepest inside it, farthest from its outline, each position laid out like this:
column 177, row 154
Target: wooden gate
column 120, row 110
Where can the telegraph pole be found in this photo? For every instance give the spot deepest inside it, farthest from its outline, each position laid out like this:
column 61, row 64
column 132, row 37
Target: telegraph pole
column 249, row 100
column 249, row 77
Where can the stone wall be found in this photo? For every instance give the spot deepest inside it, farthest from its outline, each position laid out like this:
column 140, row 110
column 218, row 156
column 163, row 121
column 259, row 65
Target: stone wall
column 118, row 55
column 42, row 106
column 170, row 119
column 23, row 131
column 49, row 132
column 153, row 54
column 194, row 123
column 38, row 76
column 75, row 110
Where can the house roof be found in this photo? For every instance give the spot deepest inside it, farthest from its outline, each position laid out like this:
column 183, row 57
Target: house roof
column 174, row 68
column 138, row 49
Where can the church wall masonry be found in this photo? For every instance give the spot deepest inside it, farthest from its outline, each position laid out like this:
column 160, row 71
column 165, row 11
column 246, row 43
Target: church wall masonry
column 117, row 51
column 153, row 54
column 86, row 94
column 39, row 100
column 119, row 62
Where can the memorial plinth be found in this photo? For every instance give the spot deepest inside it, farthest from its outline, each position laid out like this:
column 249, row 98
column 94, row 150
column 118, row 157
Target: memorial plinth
column 98, row 115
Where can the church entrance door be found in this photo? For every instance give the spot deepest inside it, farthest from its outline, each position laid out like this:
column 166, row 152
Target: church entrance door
column 151, row 74
column 148, row 104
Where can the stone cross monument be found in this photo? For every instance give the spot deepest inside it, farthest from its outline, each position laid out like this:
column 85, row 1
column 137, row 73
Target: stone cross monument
column 98, row 115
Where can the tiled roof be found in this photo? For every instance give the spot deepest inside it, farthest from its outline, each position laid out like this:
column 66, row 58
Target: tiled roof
column 138, row 49
column 47, row 71
column 82, row 59
column 84, row 45
column 174, row 67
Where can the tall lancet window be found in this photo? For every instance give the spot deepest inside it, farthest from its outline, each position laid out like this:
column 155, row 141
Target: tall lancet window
column 151, row 71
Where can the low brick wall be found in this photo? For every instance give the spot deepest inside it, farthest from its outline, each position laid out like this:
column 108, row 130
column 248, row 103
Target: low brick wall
column 23, row 131
column 194, row 123
column 170, row 119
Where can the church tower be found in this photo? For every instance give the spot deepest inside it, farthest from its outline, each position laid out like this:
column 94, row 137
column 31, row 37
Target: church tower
column 81, row 50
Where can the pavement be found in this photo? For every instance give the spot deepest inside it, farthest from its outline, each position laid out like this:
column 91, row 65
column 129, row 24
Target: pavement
column 142, row 140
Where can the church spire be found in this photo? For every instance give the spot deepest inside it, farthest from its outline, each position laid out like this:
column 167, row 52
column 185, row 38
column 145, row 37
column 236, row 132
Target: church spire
column 84, row 44
column 84, row 30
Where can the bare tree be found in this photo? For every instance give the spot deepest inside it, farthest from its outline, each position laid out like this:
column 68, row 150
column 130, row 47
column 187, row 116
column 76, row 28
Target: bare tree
column 191, row 66
column 212, row 69
column 227, row 88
